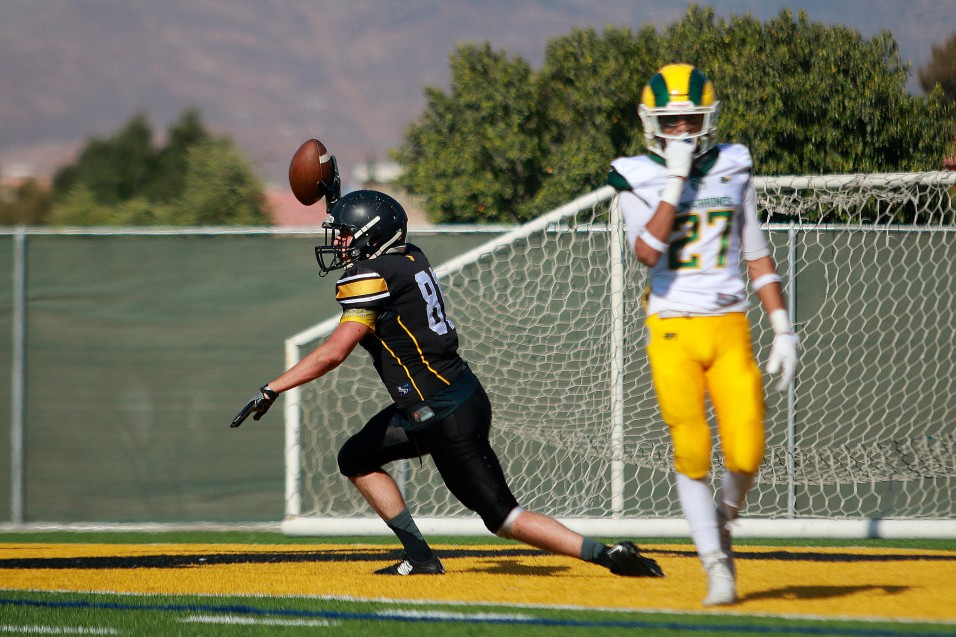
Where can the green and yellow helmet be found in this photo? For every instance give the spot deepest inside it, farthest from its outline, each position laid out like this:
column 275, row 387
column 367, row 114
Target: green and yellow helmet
column 679, row 89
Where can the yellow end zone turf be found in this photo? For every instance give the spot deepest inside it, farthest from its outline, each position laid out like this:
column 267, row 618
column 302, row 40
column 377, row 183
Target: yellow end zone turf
column 892, row 584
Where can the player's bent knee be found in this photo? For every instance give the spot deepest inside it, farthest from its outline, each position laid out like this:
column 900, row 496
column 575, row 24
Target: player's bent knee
column 749, row 466
column 692, row 448
column 744, row 452
column 504, row 529
column 353, row 464
column 498, row 515
column 745, row 458
column 696, row 467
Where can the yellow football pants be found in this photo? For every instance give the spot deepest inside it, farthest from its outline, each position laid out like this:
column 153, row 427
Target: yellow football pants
column 712, row 354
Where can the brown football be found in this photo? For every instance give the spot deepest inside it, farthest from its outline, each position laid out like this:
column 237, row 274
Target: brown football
column 311, row 166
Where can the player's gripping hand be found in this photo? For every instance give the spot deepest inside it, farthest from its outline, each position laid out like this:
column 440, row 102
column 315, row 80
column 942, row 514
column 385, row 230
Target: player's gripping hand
column 258, row 405
column 679, row 156
column 783, row 358
column 333, row 189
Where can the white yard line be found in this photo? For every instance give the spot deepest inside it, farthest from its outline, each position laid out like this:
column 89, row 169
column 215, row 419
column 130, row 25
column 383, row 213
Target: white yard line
column 440, row 614
column 255, row 621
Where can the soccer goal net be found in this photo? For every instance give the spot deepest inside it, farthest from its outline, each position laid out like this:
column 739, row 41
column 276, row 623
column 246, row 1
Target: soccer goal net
column 550, row 317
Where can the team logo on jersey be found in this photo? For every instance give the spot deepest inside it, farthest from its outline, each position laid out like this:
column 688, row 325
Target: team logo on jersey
column 725, row 180
column 405, row 389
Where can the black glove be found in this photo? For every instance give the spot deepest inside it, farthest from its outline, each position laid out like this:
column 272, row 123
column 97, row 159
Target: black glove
column 259, row 405
column 333, row 189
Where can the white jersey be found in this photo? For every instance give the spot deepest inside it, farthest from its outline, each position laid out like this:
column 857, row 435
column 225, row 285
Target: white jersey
column 716, row 223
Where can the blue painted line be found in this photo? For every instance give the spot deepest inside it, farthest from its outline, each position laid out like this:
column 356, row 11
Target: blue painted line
column 245, row 609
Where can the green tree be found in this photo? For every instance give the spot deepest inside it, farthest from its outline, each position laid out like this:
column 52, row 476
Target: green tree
column 471, row 152
column 195, row 178
column 172, row 160
column 941, row 69
column 809, row 98
column 590, row 108
column 79, row 207
column 806, row 97
column 113, row 169
column 220, row 188
column 29, row 203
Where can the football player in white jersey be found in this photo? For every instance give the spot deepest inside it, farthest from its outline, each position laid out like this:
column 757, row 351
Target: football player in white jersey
column 691, row 213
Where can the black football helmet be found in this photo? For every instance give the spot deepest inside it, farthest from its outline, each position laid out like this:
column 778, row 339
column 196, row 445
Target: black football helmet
column 374, row 221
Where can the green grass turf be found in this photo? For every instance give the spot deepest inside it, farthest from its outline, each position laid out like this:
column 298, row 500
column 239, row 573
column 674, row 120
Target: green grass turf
column 41, row 612
column 59, row 613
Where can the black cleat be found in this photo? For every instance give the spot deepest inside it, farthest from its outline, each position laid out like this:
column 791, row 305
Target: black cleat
column 411, row 567
column 626, row 560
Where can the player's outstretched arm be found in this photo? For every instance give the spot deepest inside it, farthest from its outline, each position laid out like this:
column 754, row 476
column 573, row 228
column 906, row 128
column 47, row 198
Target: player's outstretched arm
column 258, row 405
column 316, row 364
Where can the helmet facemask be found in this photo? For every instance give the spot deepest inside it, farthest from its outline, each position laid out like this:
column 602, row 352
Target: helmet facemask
column 657, row 139
column 338, row 249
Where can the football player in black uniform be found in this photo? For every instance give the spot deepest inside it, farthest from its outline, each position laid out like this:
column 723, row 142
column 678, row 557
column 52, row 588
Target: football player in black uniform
column 392, row 305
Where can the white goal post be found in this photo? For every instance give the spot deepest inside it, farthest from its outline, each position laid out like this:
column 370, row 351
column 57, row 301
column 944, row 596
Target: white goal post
column 863, row 444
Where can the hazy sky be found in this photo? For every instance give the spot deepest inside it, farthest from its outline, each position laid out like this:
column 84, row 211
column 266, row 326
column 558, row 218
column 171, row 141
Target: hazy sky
column 273, row 74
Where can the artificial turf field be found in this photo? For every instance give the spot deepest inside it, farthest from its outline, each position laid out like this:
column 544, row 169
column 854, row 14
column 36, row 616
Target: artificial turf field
column 236, row 583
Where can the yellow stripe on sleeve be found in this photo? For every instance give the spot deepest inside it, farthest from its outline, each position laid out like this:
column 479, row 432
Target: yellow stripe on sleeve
column 360, row 315
column 361, row 288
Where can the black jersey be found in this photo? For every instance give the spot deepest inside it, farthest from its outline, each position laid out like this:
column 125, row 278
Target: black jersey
column 413, row 344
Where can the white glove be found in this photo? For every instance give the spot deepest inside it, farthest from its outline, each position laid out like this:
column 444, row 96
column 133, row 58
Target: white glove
column 783, row 358
column 679, row 156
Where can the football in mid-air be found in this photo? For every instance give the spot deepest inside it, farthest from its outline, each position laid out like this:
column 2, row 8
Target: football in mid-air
column 311, row 172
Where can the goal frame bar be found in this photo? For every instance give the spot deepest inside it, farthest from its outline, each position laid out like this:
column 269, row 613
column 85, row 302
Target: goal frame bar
column 295, row 524
column 647, row 527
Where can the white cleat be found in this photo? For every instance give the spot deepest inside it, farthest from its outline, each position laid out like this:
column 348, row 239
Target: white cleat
column 721, row 585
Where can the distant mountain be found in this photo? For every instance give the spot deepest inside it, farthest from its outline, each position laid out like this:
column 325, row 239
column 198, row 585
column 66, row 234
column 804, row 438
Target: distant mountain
column 272, row 74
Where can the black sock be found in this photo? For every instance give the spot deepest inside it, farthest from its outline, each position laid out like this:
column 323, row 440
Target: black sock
column 405, row 529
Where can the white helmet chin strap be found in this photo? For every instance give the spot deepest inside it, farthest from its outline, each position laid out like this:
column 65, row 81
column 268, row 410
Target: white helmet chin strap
column 385, row 245
column 388, row 244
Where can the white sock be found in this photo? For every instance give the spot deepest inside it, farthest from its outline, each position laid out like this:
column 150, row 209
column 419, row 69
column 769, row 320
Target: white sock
column 733, row 491
column 697, row 500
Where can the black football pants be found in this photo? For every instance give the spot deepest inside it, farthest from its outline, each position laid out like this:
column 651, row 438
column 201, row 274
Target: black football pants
column 458, row 444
